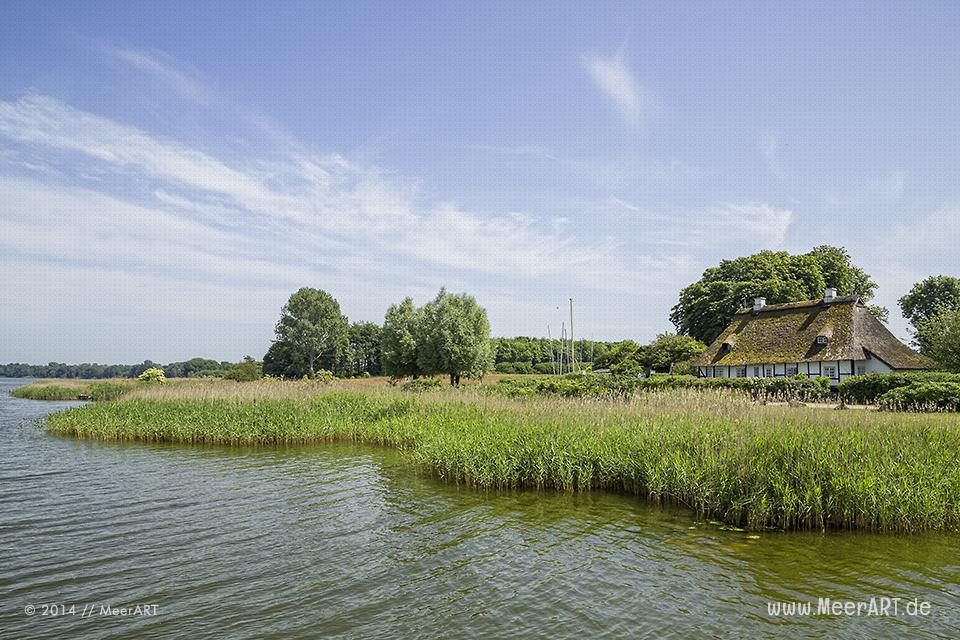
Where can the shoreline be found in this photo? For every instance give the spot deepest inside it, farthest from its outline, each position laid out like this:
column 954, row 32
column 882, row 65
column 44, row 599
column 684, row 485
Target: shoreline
column 716, row 453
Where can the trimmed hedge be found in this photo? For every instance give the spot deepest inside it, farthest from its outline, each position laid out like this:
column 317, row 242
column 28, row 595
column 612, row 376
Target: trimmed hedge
column 922, row 396
column 867, row 389
column 596, row 385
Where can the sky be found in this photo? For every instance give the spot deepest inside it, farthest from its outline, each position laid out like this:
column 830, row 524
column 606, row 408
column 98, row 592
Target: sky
column 170, row 174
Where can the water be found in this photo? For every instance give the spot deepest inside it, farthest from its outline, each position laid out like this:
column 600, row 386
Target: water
column 347, row 542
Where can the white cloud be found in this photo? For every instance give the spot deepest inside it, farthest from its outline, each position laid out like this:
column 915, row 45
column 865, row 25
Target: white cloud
column 186, row 84
column 614, row 77
column 320, row 200
column 163, row 211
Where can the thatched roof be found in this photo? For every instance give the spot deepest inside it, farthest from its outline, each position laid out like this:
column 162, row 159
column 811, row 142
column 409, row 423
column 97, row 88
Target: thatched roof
column 788, row 333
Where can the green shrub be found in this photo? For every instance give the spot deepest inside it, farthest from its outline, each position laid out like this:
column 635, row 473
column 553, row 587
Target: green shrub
column 420, row 385
column 322, row 376
column 867, row 389
column 246, row 371
column 513, row 367
column 153, row 375
column 601, row 385
column 922, row 396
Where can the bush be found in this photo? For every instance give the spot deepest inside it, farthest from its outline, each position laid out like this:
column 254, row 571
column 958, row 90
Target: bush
column 420, row 385
column 867, row 389
column 323, row 376
column 514, row 367
column 153, row 375
column 246, row 371
column 599, row 385
column 922, row 396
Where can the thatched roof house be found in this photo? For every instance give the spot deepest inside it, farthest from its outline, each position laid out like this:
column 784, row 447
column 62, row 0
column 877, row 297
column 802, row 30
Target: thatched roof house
column 836, row 337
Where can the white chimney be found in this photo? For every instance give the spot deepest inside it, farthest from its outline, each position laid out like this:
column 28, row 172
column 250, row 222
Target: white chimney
column 829, row 295
column 759, row 303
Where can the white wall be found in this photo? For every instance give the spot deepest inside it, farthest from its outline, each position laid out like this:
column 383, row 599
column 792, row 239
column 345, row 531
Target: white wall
column 842, row 369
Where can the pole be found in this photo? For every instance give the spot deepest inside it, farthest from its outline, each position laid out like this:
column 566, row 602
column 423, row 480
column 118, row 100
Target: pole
column 553, row 360
column 573, row 345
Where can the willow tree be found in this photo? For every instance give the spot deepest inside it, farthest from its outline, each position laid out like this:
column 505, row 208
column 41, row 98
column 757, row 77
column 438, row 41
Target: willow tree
column 453, row 338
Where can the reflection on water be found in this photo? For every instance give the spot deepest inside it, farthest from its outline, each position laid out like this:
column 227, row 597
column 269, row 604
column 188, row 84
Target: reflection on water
column 347, row 541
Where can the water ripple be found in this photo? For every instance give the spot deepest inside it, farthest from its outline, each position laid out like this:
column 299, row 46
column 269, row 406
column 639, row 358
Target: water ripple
column 343, row 541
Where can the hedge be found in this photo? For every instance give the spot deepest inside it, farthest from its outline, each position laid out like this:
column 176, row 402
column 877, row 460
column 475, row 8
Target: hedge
column 867, row 389
column 922, row 396
column 574, row 385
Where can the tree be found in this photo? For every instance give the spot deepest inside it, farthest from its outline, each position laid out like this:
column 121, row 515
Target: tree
column 707, row 306
column 626, row 357
column 453, row 337
column 398, row 341
column 926, row 299
column 669, row 349
column 312, row 334
column 365, row 340
column 941, row 337
column 281, row 360
column 246, row 371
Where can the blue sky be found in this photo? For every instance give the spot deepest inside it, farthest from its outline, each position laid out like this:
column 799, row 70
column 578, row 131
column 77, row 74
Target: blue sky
column 170, row 174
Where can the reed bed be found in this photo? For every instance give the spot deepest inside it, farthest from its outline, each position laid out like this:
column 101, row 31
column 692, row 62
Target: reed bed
column 713, row 451
column 53, row 390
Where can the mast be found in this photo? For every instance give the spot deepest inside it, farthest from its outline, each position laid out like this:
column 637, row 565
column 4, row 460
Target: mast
column 573, row 345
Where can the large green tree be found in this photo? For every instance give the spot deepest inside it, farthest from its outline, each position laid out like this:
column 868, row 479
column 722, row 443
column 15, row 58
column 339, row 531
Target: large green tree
column 670, row 349
column 927, row 299
column 625, row 357
column 398, row 341
column 453, row 338
column 311, row 334
column 941, row 338
column 707, row 306
column 365, row 340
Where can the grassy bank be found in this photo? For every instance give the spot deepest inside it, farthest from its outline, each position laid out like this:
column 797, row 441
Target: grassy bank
column 74, row 389
column 715, row 452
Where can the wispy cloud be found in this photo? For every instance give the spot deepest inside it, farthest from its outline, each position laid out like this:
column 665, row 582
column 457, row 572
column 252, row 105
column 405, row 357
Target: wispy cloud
column 614, row 77
column 185, row 82
column 305, row 199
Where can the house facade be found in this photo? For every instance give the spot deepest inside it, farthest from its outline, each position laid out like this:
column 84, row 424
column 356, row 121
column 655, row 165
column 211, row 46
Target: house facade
column 836, row 337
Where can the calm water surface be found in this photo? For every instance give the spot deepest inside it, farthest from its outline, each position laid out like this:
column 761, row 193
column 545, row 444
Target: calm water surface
column 347, row 542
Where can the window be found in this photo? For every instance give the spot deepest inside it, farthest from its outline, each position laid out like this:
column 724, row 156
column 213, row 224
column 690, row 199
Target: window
column 861, row 369
column 791, row 370
column 769, row 372
column 741, row 372
column 830, row 371
column 822, row 340
column 756, row 372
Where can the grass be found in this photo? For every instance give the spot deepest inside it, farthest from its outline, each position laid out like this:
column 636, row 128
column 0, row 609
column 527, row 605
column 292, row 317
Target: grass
column 74, row 389
column 715, row 452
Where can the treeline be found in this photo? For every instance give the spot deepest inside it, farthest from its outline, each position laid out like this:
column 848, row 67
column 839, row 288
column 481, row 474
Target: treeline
column 543, row 355
column 193, row 368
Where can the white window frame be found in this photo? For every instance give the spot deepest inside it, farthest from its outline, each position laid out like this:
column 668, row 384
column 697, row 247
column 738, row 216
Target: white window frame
column 830, row 371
